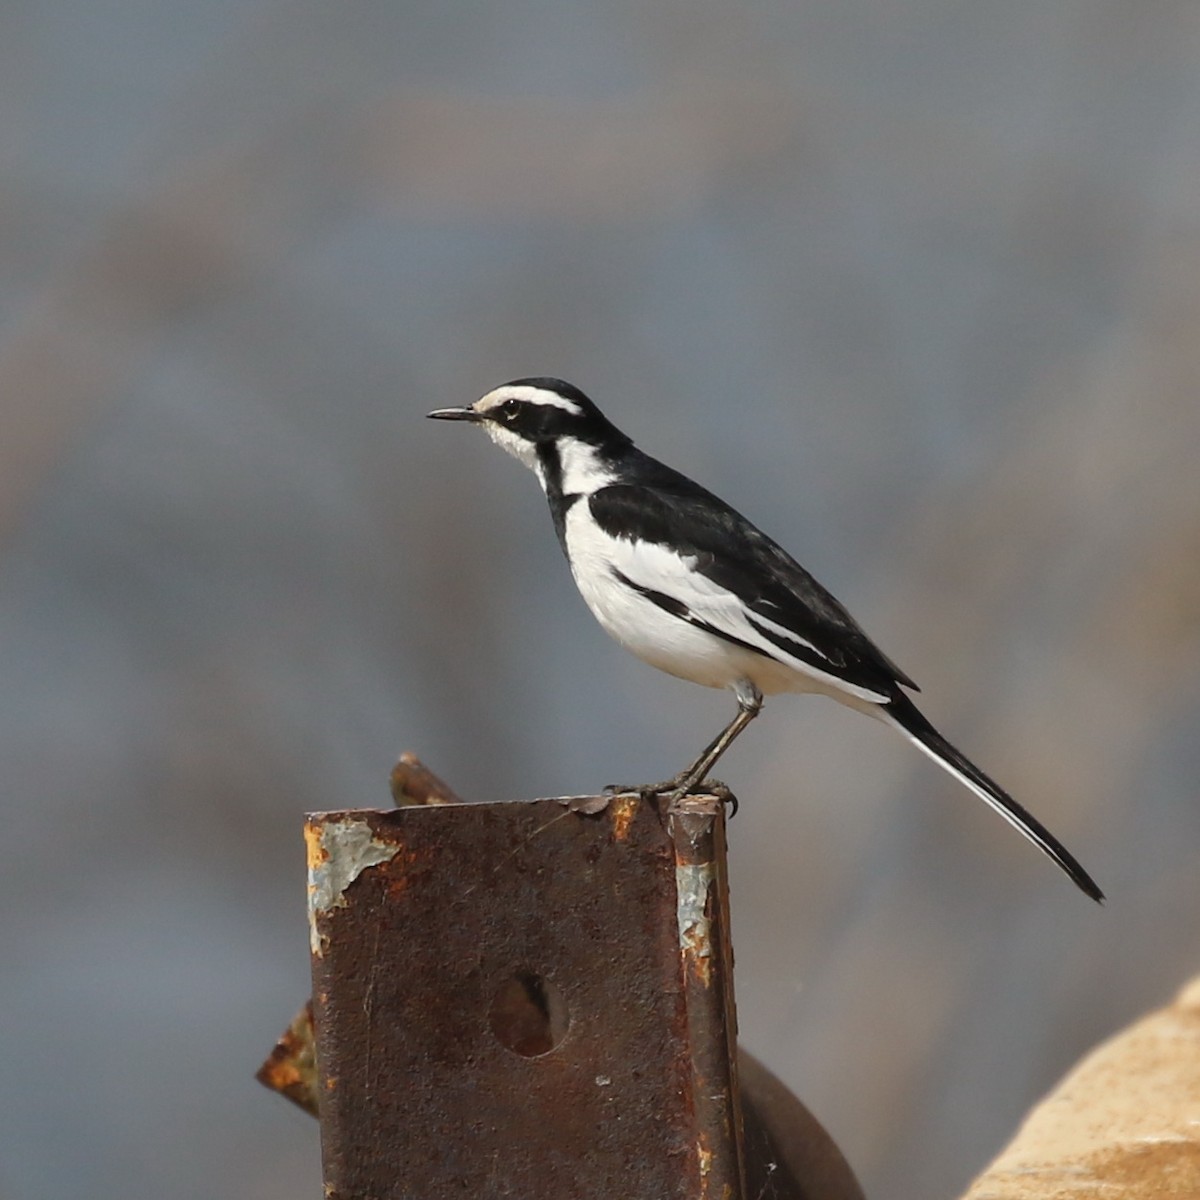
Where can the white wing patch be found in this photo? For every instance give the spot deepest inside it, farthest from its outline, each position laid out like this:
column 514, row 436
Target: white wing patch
column 784, row 632
column 672, row 643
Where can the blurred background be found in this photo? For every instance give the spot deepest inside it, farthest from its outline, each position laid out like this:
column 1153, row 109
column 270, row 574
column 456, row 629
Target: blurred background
column 914, row 284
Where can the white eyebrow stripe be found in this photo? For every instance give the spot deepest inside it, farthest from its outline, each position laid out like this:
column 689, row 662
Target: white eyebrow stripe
column 528, row 395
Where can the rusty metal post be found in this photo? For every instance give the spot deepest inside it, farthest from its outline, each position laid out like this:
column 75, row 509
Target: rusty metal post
column 697, row 828
column 786, row 1155
column 529, row 999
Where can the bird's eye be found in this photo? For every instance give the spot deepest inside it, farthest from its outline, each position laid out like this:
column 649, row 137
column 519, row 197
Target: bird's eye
column 509, row 410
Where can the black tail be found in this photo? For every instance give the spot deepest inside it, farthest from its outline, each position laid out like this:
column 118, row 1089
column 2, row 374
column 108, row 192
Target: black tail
column 901, row 712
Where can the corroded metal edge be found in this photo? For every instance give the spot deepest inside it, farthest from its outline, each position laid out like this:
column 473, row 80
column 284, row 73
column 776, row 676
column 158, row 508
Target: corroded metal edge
column 291, row 1068
column 419, row 955
column 697, row 828
column 338, row 853
column 693, row 884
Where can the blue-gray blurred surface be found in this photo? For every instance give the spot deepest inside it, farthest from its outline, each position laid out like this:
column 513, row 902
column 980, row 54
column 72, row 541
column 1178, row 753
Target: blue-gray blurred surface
column 915, row 284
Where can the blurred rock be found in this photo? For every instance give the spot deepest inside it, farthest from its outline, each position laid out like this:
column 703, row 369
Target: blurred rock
column 1124, row 1124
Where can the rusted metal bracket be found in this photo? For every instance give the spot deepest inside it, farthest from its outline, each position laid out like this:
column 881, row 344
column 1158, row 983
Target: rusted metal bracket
column 534, row 999
column 522, row 999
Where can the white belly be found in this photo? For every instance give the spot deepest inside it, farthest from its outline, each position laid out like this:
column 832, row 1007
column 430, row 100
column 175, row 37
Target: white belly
column 663, row 640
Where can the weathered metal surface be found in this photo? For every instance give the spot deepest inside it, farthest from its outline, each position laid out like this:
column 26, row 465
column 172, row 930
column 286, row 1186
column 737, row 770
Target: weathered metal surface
column 697, row 828
column 789, row 1156
column 291, row 1068
column 503, row 1009
column 338, row 853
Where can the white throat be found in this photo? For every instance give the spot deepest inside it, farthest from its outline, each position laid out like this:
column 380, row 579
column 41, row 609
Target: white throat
column 583, row 469
column 522, row 450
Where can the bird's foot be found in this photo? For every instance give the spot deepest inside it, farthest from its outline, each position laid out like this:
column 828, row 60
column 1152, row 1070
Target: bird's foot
column 714, row 787
column 676, row 788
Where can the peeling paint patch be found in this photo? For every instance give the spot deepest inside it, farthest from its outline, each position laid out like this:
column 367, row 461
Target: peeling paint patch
column 623, row 809
column 692, row 882
column 338, row 853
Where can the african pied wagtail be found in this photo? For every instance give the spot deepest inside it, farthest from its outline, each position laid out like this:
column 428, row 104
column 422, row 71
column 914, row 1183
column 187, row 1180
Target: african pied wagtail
column 691, row 587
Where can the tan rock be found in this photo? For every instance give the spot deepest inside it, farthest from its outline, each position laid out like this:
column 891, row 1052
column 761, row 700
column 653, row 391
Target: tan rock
column 1123, row 1125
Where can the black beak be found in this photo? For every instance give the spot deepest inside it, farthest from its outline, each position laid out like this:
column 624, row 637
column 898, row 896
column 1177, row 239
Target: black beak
column 455, row 414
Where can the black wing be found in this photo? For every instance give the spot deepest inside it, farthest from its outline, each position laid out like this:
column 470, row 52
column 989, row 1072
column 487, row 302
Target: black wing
column 669, row 509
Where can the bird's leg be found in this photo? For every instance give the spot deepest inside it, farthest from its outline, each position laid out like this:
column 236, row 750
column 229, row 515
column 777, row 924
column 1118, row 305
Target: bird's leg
column 750, row 702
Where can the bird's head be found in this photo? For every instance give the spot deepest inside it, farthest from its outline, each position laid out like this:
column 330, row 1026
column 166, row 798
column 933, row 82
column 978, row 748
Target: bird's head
column 527, row 414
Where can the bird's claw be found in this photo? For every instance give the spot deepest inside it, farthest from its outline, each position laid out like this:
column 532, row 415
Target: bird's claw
column 717, row 789
column 714, row 787
column 676, row 789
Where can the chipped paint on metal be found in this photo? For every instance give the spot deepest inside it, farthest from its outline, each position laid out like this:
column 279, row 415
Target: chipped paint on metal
column 338, row 853
column 692, row 883
column 623, row 809
column 379, row 999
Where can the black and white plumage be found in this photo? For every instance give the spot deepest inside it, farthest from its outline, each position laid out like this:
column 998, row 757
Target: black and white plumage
column 690, row 586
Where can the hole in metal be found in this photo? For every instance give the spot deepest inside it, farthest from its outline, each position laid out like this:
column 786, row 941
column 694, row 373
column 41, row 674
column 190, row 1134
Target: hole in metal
column 528, row 1015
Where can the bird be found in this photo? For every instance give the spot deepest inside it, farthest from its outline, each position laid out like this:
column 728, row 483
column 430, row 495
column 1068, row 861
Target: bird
column 687, row 584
